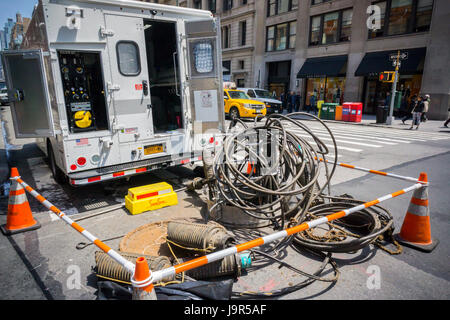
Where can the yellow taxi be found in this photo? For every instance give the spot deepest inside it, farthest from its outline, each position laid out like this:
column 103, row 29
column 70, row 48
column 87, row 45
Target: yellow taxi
column 239, row 105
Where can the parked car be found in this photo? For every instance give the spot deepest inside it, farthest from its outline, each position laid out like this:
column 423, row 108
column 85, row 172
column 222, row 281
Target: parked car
column 4, row 96
column 273, row 105
column 239, row 105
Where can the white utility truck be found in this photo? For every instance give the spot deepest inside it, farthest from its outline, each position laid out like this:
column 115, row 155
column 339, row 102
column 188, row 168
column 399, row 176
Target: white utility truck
column 113, row 88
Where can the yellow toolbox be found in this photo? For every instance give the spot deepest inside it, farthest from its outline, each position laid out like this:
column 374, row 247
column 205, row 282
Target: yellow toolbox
column 150, row 197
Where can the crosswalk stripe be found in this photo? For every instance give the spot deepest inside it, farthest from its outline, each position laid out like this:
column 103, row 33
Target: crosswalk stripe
column 344, row 141
column 339, row 147
column 371, row 134
column 351, row 137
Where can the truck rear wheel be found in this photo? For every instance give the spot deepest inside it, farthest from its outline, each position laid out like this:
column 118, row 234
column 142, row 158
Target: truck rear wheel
column 57, row 174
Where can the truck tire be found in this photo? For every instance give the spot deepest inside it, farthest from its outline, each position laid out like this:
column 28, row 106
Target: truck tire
column 234, row 113
column 57, row 174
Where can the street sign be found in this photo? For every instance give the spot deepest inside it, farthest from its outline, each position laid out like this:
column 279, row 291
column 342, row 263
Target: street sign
column 403, row 56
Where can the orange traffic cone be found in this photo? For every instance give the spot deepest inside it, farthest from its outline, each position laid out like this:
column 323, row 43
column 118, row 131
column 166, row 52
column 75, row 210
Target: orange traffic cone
column 251, row 167
column 19, row 217
column 142, row 286
column 416, row 231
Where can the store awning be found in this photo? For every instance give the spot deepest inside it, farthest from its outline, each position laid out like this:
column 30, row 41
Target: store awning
column 376, row 62
column 323, row 67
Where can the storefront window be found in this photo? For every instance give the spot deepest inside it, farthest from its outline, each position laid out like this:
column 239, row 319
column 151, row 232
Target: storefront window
column 327, row 89
column 330, row 27
column 400, row 16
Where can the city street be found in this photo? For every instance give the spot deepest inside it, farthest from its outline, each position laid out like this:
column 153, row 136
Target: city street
column 41, row 258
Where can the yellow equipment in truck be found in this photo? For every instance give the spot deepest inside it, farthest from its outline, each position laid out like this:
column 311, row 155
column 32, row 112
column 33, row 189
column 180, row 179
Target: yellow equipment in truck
column 150, row 197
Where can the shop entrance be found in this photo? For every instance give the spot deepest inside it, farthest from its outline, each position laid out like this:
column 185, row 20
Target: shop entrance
column 376, row 91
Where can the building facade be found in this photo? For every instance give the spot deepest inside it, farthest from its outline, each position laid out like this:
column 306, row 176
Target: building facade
column 335, row 50
column 18, row 31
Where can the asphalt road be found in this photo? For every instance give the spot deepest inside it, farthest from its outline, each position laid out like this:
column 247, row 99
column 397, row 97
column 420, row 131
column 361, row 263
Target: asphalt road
column 41, row 258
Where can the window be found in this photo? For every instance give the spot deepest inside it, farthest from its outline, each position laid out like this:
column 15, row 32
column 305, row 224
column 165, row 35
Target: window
column 331, row 27
column 423, row 15
column 226, row 37
column 128, row 58
column 226, row 70
column 242, row 32
column 315, row 30
column 251, row 94
column 373, row 33
column 400, row 16
column 319, row 1
column 346, row 26
column 227, row 5
column 203, row 56
column 197, row 4
column 241, row 64
column 403, row 16
column 270, row 38
column 212, row 6
column 292, row 34
column 275, row 7
column 281, row 36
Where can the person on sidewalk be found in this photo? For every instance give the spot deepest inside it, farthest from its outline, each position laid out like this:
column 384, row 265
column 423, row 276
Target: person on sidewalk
column 417, row 113
column 411, row 107
column 426, row 105
column 447, row 121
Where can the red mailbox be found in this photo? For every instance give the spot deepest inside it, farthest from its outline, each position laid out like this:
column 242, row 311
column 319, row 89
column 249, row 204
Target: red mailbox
column 355, row 112
column 346, row 108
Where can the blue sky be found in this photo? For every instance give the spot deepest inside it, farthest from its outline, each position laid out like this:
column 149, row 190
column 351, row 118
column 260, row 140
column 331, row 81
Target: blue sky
column 9, row 8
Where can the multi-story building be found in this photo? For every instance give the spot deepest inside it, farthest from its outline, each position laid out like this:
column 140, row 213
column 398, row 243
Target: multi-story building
column 335, row 49
column 7, row 29
column 18, row 31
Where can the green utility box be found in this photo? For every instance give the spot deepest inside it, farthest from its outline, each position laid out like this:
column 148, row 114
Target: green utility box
column 330, row 111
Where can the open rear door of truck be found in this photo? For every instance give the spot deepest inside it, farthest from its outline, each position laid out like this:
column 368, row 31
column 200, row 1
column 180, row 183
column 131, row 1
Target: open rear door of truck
column 205, row 70
column 28, row 93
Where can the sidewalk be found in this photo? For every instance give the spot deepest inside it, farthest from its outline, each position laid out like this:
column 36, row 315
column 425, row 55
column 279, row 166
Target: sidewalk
column 370, row 120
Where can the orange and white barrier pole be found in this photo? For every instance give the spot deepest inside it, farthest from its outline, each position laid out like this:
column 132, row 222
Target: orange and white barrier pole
column 113, row 254
column 381, row 173
column 198, row 262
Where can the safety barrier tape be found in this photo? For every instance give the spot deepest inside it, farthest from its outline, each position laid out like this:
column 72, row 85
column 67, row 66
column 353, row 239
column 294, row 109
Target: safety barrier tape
column 198, row 262
column 381, row 173
column 113, row 254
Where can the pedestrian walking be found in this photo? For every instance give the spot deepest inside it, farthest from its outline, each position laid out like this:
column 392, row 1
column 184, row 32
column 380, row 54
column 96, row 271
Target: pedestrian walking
column 426, row 105
column 411, row 106
column 447, row 121
column 283, row 101
column 417, row 113
column 297, row 102
column 313, row 103
column 291, row 101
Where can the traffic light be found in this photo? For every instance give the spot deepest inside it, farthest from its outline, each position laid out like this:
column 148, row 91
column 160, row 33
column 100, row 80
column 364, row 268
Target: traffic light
column 387, row 76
